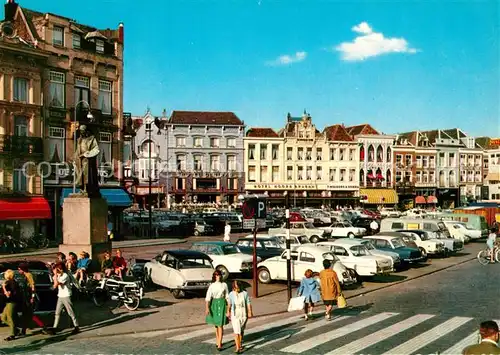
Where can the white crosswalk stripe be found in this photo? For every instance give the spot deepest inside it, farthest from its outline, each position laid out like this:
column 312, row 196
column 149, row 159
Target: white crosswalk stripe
column 458, row 347
column 317, row 340
column 285, row 334
column 381, row 335
column 429, row 336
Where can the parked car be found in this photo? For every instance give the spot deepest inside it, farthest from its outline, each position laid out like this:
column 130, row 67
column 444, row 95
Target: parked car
column 344, row 229
column 397, row 245
column 361, row 222
column 387, row 212
column 180, row 271
column 356, row 256
column 451, row 245
column 392, row 256
column 295, row 240
column 267, row 247
column 46, row 297
column 303, row 258
column 303, row 228
column 226, row 257
column 432, row 247
column 201, row 227
column 462, row 231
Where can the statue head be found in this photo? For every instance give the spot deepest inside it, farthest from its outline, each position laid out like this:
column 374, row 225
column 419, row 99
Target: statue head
column 83, row 131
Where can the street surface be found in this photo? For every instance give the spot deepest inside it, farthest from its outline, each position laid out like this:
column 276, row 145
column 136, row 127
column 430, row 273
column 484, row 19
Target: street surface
column 438, row 313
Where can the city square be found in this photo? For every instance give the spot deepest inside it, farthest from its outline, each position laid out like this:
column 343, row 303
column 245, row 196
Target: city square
column 162, row 174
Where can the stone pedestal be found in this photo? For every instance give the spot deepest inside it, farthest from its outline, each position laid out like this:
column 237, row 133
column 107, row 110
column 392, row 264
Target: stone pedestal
column 85, row 227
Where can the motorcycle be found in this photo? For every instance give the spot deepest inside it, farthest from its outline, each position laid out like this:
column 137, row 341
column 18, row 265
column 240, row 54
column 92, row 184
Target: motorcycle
column 127, row 293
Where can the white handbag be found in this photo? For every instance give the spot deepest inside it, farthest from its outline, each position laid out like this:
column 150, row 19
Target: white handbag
column 296, row 304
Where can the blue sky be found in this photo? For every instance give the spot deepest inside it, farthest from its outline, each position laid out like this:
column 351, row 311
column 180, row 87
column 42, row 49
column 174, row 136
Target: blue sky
column 399, row 65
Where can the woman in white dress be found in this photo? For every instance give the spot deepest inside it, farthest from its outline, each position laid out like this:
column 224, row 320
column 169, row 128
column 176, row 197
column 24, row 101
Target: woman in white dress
column 239, row 310
column 216, row 305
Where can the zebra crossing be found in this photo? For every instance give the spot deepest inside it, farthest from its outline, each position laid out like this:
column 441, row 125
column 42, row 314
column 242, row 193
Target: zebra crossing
column 367, row 332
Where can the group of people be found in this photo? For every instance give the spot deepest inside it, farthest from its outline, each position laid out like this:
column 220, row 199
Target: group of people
column 223, row 306
column 21, row 294
column 328, row 289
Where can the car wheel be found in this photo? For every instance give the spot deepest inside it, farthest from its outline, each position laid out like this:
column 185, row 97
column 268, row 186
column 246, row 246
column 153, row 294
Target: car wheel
column 224, row 272
column 178, row 294
column 350, row 235
column 264, row 276
column 424, row 253
column 314, row 239
column 196, row 233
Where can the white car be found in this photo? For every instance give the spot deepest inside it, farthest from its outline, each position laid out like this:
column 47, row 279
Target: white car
column 226, row 257
column 344, row 229
column 303, row 258
column 180, row 271
column 393, row 257
column 390, row 213
column 424, row 243
column 295, row 240
column 356, row 256
column 460, row 230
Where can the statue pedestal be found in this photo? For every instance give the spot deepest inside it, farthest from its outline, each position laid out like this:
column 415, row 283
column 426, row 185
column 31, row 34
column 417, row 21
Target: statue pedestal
column 85, row 227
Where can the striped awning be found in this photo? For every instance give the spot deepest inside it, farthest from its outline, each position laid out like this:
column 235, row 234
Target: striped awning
column 420, row 200
column 379, row 196
column 493, row 177
column 432, row 199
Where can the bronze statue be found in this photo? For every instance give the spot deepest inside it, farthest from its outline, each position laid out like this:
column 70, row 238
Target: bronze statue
column 85, row 157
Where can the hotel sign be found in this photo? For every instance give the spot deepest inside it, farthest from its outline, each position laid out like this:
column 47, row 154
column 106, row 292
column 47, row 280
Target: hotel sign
column 283, row 186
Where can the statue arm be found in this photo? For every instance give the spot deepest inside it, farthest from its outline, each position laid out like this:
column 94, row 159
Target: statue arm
column 94, row 151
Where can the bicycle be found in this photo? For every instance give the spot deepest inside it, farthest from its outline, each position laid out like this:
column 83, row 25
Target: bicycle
column 484, row 256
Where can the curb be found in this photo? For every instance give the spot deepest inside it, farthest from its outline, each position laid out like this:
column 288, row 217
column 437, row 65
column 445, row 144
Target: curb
column 50, row 251
column 164, row 330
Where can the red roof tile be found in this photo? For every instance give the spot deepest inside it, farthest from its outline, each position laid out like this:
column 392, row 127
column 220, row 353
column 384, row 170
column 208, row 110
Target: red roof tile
column 262, row 132
column 337, row 133
column 364, row 128
column 205, row 118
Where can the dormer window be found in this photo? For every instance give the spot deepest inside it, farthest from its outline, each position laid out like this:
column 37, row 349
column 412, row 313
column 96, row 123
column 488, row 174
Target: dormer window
column 58, row 36
column 99, row 46
column 77, row 41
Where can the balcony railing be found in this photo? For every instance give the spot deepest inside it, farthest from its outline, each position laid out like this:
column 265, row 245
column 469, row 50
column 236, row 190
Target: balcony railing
column 98, row 117
column 21, row 146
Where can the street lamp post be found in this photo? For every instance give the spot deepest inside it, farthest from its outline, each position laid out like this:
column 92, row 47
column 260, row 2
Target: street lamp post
column 150, row 211
column 90, row 117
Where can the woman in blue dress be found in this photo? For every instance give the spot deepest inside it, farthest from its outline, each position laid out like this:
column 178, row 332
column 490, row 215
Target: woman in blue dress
column 309, row 288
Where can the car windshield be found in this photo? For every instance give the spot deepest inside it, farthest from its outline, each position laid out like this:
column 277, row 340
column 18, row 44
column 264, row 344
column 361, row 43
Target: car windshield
column 230, row 249
column 359, row 250
column 398, row 243
column 368, row 245
column 309, row 225
column 271, row 244
column 194, row 263
column 423, row 236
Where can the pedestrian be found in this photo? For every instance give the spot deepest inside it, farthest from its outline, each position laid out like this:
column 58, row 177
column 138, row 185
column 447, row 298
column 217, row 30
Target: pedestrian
column 107, row 265
column 13, row 297
column 330, row 287
column 63, row 284
column 490, row 242
column 309, row 289
column 489, row 340
column 119, row 264
column 374, row 227
column 27, row 285
column 227, row 232
column 216, row 306
column 71, row 263
column 82, row 265
column 239, row 310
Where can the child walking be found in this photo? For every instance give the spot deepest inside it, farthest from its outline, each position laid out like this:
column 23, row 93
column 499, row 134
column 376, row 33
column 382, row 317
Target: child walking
column 310, row 290
column 239, row 310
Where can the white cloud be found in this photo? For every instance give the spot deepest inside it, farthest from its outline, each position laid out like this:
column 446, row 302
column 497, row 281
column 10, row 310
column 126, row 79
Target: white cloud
column 371, row 44
column 288, row 59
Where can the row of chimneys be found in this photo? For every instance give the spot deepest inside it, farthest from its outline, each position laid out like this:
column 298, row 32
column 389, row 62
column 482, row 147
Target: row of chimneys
column 11, row 8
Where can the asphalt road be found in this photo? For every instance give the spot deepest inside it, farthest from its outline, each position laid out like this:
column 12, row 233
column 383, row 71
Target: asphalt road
column 438, row 313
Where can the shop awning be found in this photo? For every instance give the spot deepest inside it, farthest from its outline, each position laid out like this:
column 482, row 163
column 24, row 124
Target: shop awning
column 420, row 200
column 493, row 177
column 114, row 197
column 25, row 207
column 432, row 199
column 379, row 196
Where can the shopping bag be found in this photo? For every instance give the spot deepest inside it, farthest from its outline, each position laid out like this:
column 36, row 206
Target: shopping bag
column 341, row 301
column 296, row 304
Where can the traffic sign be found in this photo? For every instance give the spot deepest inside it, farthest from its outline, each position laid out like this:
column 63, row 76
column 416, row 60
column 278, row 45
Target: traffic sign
column 254, row 207
column 250, row 223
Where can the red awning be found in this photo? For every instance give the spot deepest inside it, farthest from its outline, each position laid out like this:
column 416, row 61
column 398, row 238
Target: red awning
column 14, row 208
column 432, row 199
column 419, row 200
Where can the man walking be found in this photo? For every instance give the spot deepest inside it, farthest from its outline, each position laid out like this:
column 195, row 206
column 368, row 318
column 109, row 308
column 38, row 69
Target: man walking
column 27, row 307
column 374, row 227
column 227, row 232
column 489, row 338
column 330, row 287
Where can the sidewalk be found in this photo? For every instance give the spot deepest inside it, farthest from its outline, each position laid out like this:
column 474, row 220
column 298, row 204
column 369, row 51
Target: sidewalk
column 120, row 244
column 161, row 313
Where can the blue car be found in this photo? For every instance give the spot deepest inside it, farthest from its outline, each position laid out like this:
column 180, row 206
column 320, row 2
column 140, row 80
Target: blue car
column 407, row 254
